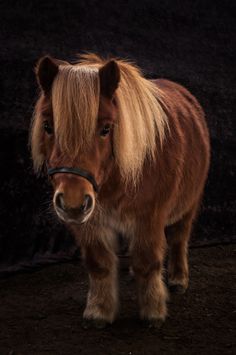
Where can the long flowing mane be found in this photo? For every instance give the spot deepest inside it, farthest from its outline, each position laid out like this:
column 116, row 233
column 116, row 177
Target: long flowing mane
column 75, row 103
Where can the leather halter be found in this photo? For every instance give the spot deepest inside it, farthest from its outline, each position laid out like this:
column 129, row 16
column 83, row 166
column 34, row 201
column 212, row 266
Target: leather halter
column 76, row 171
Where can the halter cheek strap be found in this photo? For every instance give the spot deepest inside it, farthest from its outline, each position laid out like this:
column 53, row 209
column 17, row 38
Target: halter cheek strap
column 76, row 171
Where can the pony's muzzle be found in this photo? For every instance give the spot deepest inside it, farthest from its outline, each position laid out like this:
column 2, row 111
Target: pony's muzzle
column 78, row 214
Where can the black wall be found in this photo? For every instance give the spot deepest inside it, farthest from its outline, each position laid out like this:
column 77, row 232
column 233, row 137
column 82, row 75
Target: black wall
column 191, row 42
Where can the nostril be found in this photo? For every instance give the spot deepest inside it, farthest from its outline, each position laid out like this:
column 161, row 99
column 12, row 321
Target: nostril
column 89, row 201
column 87, row 204
column 59, row 201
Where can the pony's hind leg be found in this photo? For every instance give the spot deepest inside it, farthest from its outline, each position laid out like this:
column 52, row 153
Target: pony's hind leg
column 102, row 300
column 147, row 252
column 178, row 237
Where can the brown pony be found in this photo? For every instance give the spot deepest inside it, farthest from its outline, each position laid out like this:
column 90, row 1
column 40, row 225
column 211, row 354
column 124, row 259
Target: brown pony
column 127, row 155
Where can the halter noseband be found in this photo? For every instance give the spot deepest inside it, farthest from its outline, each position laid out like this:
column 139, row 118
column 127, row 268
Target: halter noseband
column 76, row 171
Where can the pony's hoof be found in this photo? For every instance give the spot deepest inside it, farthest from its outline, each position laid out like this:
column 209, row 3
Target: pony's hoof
column 177, row 289
column 153, row 323
column 94, row 323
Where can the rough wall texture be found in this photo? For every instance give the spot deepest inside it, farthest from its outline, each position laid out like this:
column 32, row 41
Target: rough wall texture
column 192, row 43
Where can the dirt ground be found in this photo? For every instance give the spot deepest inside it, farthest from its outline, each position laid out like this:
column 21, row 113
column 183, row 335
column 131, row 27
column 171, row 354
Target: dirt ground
column 190, row 42
column 41, row 312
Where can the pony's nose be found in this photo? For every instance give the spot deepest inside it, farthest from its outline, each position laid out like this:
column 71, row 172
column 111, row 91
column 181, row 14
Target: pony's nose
column 83, row 208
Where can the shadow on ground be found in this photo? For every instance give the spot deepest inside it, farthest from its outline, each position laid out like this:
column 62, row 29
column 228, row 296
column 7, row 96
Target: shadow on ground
column 41, row 312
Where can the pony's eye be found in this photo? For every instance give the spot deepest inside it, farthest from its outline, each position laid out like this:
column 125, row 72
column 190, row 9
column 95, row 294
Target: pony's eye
column 47, row 127
column 105, row 131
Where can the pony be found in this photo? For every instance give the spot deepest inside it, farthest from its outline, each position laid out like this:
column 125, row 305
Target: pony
column 124, row 155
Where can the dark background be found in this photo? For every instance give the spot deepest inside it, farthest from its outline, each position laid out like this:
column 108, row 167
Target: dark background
column 191, row 42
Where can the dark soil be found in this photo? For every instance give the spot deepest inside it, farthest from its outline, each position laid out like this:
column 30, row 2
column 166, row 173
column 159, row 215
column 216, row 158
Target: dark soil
column 41, row 312
column 191, row 42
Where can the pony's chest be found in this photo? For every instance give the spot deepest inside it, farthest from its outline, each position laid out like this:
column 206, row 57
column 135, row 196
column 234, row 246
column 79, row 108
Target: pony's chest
column 119, row 223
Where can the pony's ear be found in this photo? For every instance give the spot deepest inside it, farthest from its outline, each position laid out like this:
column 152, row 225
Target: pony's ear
column 46, row 70
column 109, row 76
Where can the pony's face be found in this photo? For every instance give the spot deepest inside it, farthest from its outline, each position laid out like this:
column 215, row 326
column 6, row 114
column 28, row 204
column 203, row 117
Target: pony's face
column 74, row 195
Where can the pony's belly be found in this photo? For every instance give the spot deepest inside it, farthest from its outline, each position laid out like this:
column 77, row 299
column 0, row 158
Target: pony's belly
column 174, row 217
column 183, row 207
column 120, row 223
column 124, row 224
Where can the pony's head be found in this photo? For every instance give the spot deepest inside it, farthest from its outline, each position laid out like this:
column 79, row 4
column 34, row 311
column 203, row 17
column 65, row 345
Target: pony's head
column 90, row 116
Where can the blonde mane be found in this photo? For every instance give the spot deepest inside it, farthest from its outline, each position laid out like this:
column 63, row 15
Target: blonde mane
column 75, row 104
column 141, row 122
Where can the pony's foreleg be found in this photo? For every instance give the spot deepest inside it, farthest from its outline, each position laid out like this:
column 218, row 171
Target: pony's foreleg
column 178, row 237
column 148, row 251
column 102, row 299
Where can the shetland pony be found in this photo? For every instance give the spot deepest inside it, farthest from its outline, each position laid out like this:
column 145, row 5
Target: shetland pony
column 127, row 155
